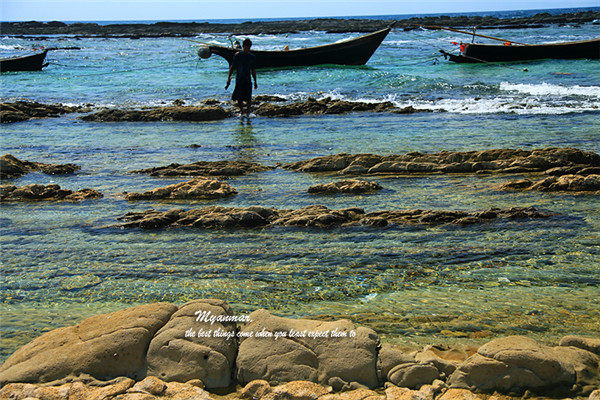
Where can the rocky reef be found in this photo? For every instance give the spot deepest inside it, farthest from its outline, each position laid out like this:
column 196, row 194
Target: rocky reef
column 565, row 183
column 198, row 188
column 326, row 106
column 205, row 168
column 179, row 351
column 25, row 110
column 353, row 186
column 168, row 113
column 53, row 192
column 550, row 161
column 11, row 167
column 212, row 217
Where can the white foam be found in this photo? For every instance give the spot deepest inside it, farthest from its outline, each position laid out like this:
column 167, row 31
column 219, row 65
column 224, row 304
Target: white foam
column 544, row 89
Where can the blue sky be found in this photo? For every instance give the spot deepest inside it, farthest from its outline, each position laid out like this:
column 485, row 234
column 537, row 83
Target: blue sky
column 115, row 10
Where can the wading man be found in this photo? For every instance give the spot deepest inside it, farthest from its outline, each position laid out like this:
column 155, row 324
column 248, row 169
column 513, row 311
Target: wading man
column 244, row 65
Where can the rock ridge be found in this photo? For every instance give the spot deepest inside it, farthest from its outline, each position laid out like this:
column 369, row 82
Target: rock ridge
column 314, row 216
column 11, row 167
column 550, row 161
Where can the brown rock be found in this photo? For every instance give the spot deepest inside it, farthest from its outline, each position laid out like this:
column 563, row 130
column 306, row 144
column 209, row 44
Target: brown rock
column 559, row 161
column 185, row 391
column 325, row 106
column 590, row 344
column 256, row 389
column 293, row 351
column 296, row 390
column 35, row 192
column 205, row 168
column 564, row 183
column 25, row 110
column 318, row 216
column 413, row 375
column 11, row 167
column 198, row 188
column 104, row 346
column 459, row 394
column 517, row 363
column 446, row 359
column 171, row 113
column 346, row 186
column 356, row 394
column 151, row 385
column 595, row 395
column 175, row 354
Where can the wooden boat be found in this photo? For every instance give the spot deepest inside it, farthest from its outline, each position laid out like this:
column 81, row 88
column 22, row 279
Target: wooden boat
column 478, row 53
column 350, row 52
column 33, row 62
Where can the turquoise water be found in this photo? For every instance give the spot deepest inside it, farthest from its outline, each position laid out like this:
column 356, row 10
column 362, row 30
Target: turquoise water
column 415, row 285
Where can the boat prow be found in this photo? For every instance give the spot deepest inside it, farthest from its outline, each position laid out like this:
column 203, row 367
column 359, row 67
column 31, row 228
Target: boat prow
column 355, row 51
column 33, row 62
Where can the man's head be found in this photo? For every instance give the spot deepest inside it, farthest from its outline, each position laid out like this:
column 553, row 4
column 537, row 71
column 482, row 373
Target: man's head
column 246, row 44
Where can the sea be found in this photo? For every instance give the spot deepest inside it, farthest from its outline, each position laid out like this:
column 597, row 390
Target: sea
column 415, row 285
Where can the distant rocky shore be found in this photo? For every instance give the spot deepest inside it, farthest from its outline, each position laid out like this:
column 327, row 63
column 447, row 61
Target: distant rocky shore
column 167, row 29
column 202, row 350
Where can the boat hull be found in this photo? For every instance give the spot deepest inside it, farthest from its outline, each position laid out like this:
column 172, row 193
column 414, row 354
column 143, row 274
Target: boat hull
column 34, row 62
column 477, row 53
column 351, row 52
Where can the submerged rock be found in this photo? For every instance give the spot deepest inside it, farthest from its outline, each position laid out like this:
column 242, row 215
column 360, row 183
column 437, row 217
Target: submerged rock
column 25, row 110
column 346, row 186
column 318, row 216
column 11, row 167
column 556, row 161
column 205, row 168
column 37, row 192
column 170, row 113
column 199, row 188
column 564, row 183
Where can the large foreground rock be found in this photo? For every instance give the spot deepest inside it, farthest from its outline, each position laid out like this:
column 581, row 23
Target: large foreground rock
column 199, row 188
column 282, row 350
column 518, row 363
column 53, row 192
column 318, row 216
column 205, row 168
column 188, row 346
column 553, row 161
column 11, row 167
column 105, row 347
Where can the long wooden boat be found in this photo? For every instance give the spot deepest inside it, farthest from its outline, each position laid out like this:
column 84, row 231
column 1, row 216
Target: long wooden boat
column 33, row 62
column 350, row 52
column 478, row 53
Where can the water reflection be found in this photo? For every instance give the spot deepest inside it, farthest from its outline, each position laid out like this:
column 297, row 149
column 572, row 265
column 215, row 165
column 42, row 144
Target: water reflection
column 246, row 145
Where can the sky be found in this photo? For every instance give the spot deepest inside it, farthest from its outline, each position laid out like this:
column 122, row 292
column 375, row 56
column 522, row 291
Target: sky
column 165, row 10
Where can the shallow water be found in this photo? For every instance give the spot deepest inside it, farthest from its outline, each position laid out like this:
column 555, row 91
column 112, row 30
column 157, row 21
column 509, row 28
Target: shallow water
column 413, row 284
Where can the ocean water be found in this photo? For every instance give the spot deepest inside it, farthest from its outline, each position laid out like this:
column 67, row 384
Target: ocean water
column 415, row 285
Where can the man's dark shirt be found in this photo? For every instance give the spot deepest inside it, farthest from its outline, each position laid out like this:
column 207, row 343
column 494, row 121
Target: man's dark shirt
column 243, row 63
